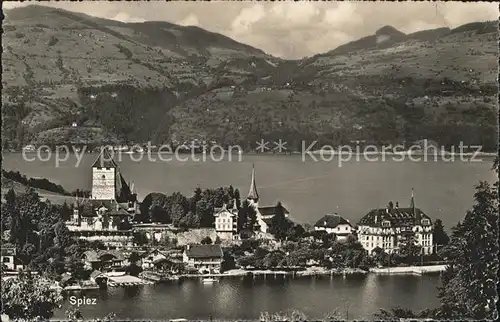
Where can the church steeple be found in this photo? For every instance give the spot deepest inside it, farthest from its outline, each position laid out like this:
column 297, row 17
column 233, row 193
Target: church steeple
column 412, row 202
column 252, row 194
column 416, row 213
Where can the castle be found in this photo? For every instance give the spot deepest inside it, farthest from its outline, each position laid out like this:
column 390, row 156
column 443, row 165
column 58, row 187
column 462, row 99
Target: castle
column 108, row 214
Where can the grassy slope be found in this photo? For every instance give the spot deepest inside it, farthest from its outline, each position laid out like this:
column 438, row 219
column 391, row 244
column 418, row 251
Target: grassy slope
column 204, row 85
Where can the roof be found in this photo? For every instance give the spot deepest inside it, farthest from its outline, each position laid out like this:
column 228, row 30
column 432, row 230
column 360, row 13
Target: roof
column 396, row 216
column 252, row 193
column 204, row 251
column 269, row 220
column 66, row 278
column 223, row 209
column 332, row 221
column 155, row 252
column 115, row 253
column 104, row 160
column 96, row 273
column 95, row 256
column 123, row 191
column 270, row 210
column 91, row 256
column 8, row 251
column 114, row 208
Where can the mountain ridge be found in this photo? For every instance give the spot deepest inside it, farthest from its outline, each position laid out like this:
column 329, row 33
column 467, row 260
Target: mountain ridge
column 73, row 78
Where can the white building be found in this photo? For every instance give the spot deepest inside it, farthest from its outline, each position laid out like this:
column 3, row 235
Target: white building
column 335, row 224
column 389, row 228
column 226, row 222
column 10, row 260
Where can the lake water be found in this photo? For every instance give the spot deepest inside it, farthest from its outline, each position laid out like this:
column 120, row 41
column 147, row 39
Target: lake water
column 308, row 189
column 244, row 298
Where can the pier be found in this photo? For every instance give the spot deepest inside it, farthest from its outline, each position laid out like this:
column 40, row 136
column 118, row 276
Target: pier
column 410, row 270
column 126, row 280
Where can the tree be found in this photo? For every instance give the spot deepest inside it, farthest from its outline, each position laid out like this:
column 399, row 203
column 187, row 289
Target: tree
column 190, row 220
column 468, row 289
column 395, row 314
column 439, row 236
column 140, row 238
column 273, row 259
column 409, row 250
column 134, row 257
column 247, row 217
column 292, row 316
column 206, row 241
column 28, row 298
column 176, row 214
column 227, row 262
column 66, row 212
column 279, row 226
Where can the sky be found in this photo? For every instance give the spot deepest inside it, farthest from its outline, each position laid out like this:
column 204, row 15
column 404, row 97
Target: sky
column 289, row 29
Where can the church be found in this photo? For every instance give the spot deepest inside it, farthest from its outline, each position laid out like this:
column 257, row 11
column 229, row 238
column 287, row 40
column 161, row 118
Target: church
column 108, row 213
column 264, row 213
column 226, row 219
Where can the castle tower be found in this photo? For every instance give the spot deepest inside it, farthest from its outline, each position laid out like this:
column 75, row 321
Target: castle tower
column 104, row 172
column 253, row 196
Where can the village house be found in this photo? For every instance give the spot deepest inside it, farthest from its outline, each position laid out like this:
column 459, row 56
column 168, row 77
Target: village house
column 103, row 260
column 10, row 260
column 226, row 222
column 389, row 228
column 204, row 258
column 153, row 259
column 334, row 224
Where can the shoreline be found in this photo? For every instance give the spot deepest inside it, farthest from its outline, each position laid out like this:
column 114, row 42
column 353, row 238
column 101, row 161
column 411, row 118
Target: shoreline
column 315, row 152
column 317, row 271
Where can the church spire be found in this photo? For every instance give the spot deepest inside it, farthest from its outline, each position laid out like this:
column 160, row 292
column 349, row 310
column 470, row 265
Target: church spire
column 252, row 194
column 416, row 213
column 412, row 202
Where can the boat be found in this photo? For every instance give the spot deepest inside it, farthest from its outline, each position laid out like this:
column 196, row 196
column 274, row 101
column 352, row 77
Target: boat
column 72, row 288
column 150, row 276
column 209, row 280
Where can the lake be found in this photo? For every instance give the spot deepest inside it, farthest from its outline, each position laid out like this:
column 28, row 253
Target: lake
column 307, row 188
column 355, row 297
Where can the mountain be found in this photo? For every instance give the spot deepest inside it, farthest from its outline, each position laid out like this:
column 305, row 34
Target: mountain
column 73, row 78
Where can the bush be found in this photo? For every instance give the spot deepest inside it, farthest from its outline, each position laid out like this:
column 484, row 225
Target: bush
column 206, row 241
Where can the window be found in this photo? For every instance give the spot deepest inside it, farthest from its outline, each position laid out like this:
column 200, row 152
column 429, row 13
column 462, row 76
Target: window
column 425, row 222
column 103, row 176
column 386, row 223
column 6, row 259
column 108, row 168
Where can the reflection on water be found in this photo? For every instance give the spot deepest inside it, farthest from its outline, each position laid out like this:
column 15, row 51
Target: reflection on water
column 359, row 297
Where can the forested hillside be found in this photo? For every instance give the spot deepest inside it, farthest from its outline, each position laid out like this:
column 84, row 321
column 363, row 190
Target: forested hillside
column 72, row 78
